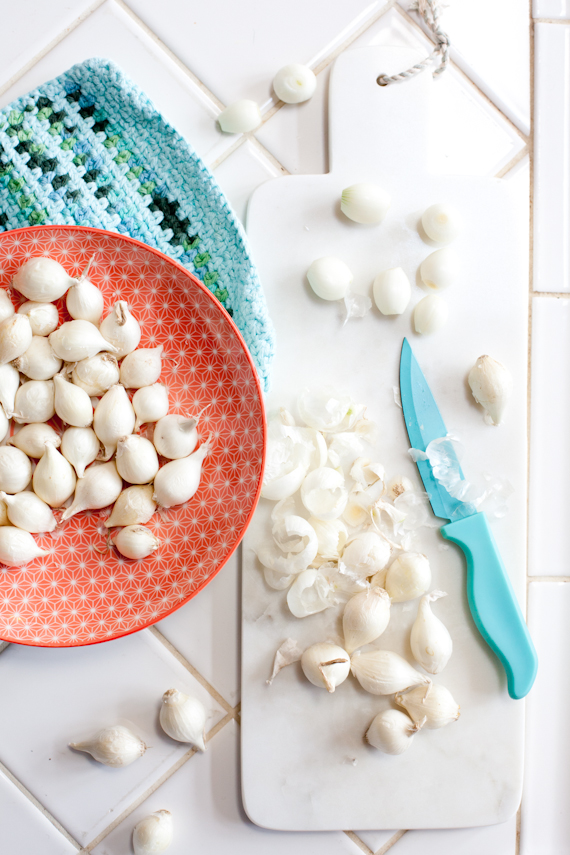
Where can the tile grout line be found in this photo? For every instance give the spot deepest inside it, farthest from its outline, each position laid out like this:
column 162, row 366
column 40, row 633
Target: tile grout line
column 549, row 579
column 327, row 60
column 158, row 783
column 177, row 61
column 563, row 21
column 43, row 810
column 518, row 832
column 551, row 294
column 358, row 842
column 324, row 63
column 216, row 102
column 50, row 46
column 393, row 840
column 465, row 76
column 266, row 153
column 196, row 674
column 513, row 162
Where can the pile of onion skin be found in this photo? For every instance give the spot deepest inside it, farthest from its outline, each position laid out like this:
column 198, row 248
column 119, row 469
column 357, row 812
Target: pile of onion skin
column 342, row 534
column 64, row 388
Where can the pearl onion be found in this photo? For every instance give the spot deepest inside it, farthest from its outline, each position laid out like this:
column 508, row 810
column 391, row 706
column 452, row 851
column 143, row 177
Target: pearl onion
column 294, row 83
column 430, row 314
column 441, row 223
column 329, row 277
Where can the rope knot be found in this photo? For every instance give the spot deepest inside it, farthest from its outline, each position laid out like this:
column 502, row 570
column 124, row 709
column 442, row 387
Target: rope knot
column 430, row 11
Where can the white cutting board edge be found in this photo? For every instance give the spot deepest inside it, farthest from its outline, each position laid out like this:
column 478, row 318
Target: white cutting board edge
column 303, row 766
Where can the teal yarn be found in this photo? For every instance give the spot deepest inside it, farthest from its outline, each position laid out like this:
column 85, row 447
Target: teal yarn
column 90, row 149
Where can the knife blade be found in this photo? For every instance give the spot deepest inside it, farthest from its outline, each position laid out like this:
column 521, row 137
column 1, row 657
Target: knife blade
column 492, row 601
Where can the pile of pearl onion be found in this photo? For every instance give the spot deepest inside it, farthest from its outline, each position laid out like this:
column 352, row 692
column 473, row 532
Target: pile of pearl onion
column 51, row 356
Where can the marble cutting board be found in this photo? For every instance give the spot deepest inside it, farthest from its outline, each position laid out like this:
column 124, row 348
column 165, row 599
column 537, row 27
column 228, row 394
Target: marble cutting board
column 305, row 765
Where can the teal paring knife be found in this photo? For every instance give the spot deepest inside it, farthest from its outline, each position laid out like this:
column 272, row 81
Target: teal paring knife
column 492, row 601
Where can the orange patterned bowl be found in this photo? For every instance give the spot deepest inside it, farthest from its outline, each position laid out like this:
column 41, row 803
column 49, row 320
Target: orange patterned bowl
column 83, row 593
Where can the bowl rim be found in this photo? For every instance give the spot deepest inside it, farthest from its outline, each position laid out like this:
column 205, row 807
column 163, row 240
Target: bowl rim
column 240, row 338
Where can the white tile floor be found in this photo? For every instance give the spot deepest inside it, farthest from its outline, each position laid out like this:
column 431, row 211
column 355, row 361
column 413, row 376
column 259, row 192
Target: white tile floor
column 192, row 59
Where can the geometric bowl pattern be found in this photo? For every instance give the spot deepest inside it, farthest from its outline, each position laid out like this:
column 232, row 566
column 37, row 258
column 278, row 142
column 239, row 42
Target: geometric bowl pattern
column 83, row 592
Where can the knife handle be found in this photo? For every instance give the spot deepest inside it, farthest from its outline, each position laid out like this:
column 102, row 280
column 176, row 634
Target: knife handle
column 493, row 603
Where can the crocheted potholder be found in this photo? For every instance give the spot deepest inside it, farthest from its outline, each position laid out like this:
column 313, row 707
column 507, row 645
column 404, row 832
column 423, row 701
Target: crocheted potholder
column 89, row 148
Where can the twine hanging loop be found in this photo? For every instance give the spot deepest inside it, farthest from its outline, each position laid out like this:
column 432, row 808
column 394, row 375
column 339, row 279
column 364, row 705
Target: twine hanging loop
column 430, row 11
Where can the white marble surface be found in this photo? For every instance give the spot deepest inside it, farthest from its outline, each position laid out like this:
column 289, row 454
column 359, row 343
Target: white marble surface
column 308, row 782
column 192, row 59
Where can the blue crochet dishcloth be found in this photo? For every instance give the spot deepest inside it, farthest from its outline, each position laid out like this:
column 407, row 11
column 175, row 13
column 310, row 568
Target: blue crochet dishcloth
column 90, row 149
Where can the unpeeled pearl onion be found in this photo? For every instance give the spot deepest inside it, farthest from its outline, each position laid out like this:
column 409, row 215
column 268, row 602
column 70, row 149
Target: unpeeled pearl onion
column 43, row 317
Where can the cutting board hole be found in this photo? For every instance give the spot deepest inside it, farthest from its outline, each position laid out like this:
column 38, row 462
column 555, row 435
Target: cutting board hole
column 381, row 80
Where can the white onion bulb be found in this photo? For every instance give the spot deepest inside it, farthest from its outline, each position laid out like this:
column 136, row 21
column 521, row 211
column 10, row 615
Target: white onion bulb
column 54, row 479
column 240, row 117
column 18, row 547
column 153, row 834
column 430, row 640
column 408, row 577
column 365, row 203
column 136, row 459
column 35, row 402
column 178, row 480
column 6, row 306
column 39, row 362
column 72, row 404
column 15, row 469
column 175, row 436
column 392, row 291
column 440, row 269
column 15, row 337
column 76, row 340
column 134, row 505
column 365, row 617
column 96, row 374
column 441, row 223
column 430, row 314
column 42, row 280
column 183, row 718
column 392, row 732
column 114, row 418
column 80, row 446
column 9, row 383
column 294, row 83
column 32, row 439
column 383, row 672
column 28, row 512
column 84, row 301
column 43, row 317
column 121, row 329
column 141, row 368
column 136, row 541
column 150, row 404
column 329, row 277
column 325, row 665
column 433, row 705
column 99, row 487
